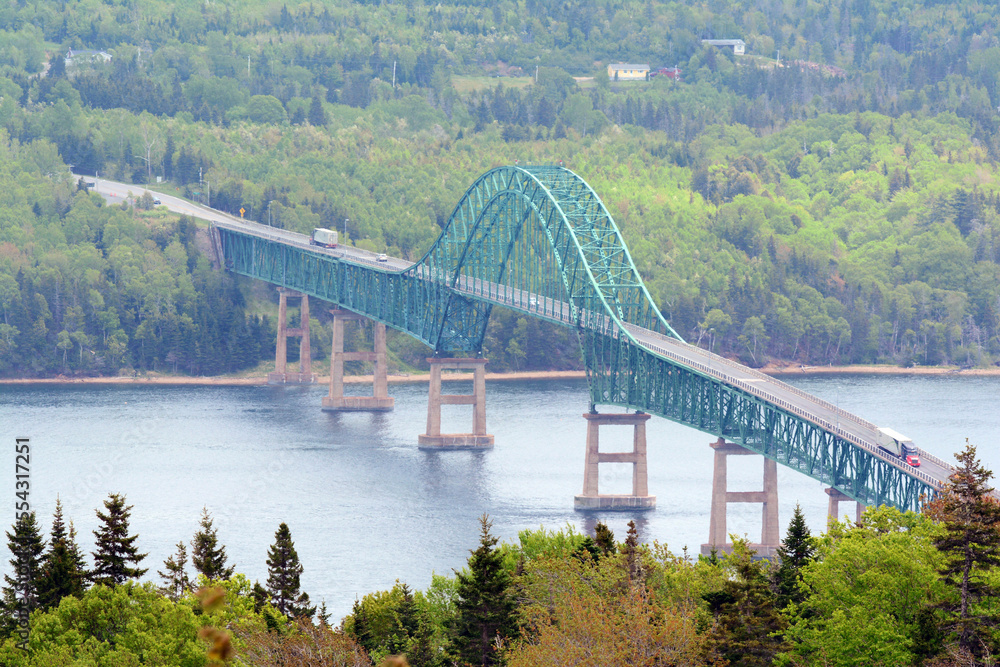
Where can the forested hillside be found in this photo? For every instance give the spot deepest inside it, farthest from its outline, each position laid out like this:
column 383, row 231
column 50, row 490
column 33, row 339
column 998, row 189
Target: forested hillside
column 829, row 197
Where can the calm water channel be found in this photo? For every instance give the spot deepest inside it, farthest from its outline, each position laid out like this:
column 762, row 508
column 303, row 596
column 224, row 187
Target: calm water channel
column 366, row 507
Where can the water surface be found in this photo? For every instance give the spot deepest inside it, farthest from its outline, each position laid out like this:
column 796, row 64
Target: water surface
column 366, row 507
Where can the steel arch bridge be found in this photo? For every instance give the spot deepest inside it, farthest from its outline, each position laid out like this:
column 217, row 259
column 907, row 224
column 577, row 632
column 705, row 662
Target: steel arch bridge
column 538, row 239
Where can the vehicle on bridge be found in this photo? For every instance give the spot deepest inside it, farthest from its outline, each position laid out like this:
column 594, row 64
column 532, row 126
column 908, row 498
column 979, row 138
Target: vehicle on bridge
column 898, row 445
column 325, row 238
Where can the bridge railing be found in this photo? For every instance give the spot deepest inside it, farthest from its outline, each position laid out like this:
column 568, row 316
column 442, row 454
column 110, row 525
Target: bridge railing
column 819, row 421
column 764, row 376
column 355, row 255
column 795, row 390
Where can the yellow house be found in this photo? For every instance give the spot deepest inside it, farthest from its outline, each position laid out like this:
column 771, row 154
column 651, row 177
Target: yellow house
column 627, row 72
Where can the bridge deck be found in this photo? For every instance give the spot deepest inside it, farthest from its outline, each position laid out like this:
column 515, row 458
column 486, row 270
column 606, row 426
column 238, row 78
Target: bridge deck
column 824, row 414
column 737, row 378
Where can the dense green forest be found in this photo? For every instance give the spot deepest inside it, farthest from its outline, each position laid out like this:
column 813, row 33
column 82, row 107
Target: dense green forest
column 829, row 197
column 893, row 589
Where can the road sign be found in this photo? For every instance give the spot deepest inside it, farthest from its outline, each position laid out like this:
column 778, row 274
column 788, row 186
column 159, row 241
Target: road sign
column 242, row 211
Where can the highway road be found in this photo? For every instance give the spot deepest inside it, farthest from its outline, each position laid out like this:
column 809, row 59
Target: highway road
column 822, row 413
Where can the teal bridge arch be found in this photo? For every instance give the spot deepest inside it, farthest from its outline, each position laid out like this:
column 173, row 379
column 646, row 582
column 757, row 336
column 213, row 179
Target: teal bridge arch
column 539, row 239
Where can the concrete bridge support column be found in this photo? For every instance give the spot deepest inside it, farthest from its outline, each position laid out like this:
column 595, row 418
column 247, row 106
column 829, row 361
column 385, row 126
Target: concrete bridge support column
column 281, row 374
column 718, row 536
column 833, row 513
column 478, row 439
column 591, row 498
column 379, row 401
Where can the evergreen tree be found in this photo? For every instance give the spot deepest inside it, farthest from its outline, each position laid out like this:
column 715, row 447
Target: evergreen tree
column 748, row 628
column 633, row 556
column 323, row 616
column 116, row 549
column 360, row 630
column 604, row 539
column 283, row 572
column 175, row 578
column 64, row 571
column 207, row 555
column 407, row 622
column 168, row 158
column 260, row 597
column 485, row 606
column 793, row 554
column 971, row 545
column 317, row 115
column 26, row 546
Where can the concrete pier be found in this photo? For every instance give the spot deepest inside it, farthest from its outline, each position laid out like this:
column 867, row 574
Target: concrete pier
column 833, row 510
column 592, row 498
column 718, row 535
column 379, row 401
column 281, row 374
column 479, row 438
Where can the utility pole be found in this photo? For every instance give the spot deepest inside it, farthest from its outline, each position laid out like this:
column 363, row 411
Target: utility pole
column 248, row 67
column 536, row 73
column 209, row 184
column 269, row 213
column 393, row 74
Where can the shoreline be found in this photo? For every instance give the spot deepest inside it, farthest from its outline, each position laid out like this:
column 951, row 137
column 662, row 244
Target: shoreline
column 261, row 380
column 775, row 370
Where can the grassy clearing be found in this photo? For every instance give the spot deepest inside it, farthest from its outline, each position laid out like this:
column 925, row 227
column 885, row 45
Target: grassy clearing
column 471, row 84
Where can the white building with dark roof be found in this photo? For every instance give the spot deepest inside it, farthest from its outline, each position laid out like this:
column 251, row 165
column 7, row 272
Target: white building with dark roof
column 738, row 45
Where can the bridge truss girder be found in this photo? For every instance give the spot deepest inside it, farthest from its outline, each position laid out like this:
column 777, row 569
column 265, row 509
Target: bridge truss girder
column 625, row 374
column 543, row 231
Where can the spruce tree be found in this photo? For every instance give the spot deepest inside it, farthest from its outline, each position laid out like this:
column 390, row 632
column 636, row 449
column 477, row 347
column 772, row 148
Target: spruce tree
column 116, row 557
column 175, row 578
column 283, row 572
column 633, row 556
column 796, row 550
column 360, row 630
column 26, row 546
column 485, row 606
column 748, row 630
column 207, row 555
column 64, row 571
column 604, row 539
column 407, row 621
column 317, row 115
column 971, row 545
column 323, row 616
column 260, row 597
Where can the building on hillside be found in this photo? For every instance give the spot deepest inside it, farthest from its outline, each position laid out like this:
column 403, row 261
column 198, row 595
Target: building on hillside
column 669, row 72
column 738, row 45
column 77, row 56
column 627, row 72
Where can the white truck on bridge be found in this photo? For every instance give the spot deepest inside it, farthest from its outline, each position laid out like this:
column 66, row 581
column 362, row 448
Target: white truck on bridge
column 898, row 445
column 326, row 238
